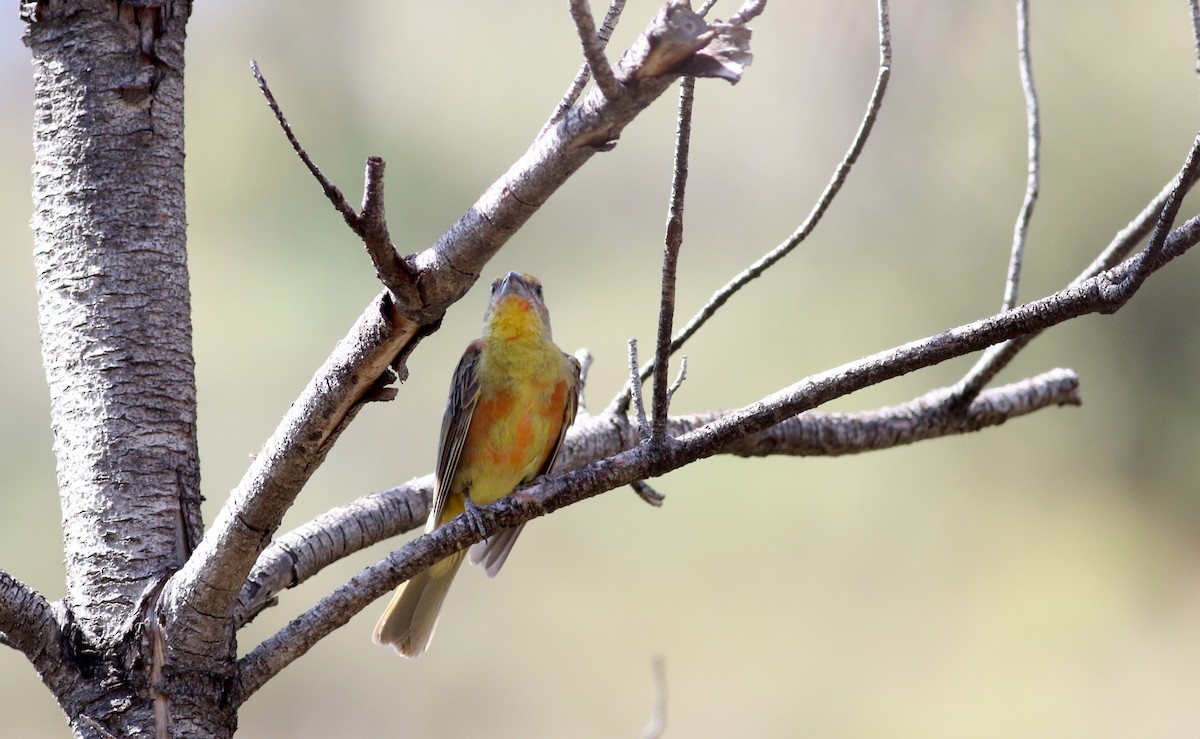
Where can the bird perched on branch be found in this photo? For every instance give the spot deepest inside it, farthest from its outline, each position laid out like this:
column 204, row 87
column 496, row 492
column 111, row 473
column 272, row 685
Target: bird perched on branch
column 512, row 399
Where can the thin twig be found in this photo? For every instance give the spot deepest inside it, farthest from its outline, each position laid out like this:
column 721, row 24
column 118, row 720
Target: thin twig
column 721, row 296
column 1155, row 254
column 370, row 224
column 658, row 717
column 645, row 461
column 396, row 274
column 997, row 357
column 635, row 391
column 298, row 555
column 672, row 244
column 679, row 378
column 585, row 359
column 1033, row 183
column 750, row 9
column 593, row 49
column 331, row 190
column 1160, row 212
column 585, row 71
column 1195, row 6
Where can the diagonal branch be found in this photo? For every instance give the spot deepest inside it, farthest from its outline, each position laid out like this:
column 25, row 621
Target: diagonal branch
column 370, row 223
column 643, row 461
column 603, row 34
column 1104, row 293
column 593, row 49
column 342, row 531
column 28, row 623
column 201, row 596
column 840, row 173
column 303, row 552
column 997, row 357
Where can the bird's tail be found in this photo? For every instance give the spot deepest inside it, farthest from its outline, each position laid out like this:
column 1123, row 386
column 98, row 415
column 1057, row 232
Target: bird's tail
column 491, row 552
column 408, row 623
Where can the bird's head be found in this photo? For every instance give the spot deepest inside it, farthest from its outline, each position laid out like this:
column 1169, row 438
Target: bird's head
column 516, row 308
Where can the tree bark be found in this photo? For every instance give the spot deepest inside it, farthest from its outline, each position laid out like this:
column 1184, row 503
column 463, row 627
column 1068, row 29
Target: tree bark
column 114, row 311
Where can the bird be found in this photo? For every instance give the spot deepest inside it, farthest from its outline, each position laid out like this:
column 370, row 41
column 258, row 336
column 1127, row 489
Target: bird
column 512, row 399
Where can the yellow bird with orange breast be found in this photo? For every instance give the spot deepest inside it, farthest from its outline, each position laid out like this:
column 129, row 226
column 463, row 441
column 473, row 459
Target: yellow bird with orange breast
column 512, row 399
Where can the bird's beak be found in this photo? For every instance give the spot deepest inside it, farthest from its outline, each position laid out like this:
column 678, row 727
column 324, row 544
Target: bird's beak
column 514, row 284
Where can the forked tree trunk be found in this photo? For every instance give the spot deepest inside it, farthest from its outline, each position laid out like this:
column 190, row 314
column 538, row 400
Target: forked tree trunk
column 114, row 310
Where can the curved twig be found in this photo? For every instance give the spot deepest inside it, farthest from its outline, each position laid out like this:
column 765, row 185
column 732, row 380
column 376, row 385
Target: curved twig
column 1033, row 182
column 840, row 173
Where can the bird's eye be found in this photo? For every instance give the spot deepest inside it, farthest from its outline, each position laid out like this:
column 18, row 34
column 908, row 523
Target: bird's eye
column 495, row 286
column 537, row 288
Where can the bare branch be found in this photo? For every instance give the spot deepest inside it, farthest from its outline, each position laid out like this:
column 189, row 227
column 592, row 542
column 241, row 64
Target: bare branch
column 658, row 718
column 203, row 593
column 750, row 10
column 1033, row 183
column 303, row 552
column 393, row 272
column 672, row 243
column 28, row 623
column 585, row 72
column 997, row 357
column 592, row 125
column 647, row 493
column 584, row 357
column 298, row 555
column 931, row 416
column 331, row 190
column 593, row 49
column 1155, row 255
column 370, row 225
column 721, row 296
column 1195, row 7
column 208, row 584
column 635, row 389
column 679, row 378
column 646, row 460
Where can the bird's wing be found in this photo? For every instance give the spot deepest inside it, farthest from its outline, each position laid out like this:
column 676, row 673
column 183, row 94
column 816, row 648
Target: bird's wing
column 568, row 413
column 460, row 406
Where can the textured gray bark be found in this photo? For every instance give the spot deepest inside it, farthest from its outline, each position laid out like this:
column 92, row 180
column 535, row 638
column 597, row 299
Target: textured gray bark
column 144, row 643
column 114, row 310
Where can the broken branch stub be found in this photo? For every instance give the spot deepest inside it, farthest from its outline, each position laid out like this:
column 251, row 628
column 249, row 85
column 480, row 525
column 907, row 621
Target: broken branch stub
column 681, row 42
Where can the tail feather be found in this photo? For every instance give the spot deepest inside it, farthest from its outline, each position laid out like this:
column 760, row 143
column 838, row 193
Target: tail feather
column 408, row 623
column 491, row 552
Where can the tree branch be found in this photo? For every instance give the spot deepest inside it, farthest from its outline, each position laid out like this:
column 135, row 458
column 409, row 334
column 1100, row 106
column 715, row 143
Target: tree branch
column 303, row 552
column 1033, row 182
column 371, row 519
column 204, row 590
column 201, row 596
column 593, row 50
column 370, row 224
column 671, row 246
column 28, row 623
column 840, row 173
column 585, row 72
column 997, row 357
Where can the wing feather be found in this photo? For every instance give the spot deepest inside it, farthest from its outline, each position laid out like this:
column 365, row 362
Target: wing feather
column 460, row 407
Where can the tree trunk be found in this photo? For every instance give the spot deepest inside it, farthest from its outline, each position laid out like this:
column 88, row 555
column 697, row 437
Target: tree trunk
column 114, row 310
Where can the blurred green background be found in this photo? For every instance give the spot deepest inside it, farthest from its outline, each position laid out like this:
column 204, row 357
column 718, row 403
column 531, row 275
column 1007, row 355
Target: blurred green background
column 1041, row 579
